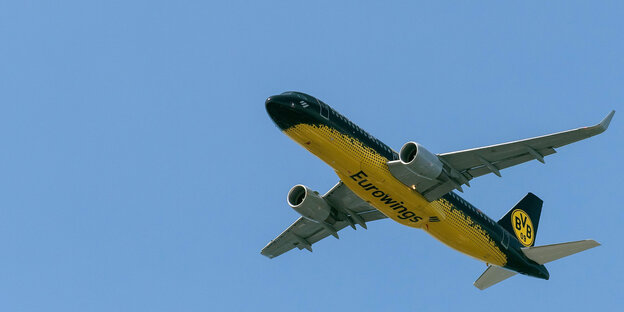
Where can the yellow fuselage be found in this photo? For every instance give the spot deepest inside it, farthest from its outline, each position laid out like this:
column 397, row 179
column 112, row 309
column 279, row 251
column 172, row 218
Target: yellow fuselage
column 366, row 173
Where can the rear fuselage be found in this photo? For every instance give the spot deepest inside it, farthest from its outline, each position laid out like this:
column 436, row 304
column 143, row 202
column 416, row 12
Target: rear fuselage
column 360, row 161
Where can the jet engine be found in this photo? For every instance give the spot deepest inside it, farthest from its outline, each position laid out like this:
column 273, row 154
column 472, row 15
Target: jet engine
column 308, row 203
column 420, row 161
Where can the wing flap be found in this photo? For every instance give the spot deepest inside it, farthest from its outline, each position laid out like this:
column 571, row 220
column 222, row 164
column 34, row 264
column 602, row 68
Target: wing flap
column 515, row 159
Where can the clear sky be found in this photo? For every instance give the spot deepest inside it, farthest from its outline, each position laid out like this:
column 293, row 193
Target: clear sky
column 139, row 170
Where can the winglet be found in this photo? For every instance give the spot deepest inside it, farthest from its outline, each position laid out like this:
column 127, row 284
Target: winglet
column 604, row 124
column 599, row 128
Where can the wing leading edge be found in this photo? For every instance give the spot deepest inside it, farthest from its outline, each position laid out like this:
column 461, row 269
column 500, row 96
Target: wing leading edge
column 471, row 163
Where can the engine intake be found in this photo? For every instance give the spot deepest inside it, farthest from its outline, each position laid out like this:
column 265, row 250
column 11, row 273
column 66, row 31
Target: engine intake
column 308, row 203
column 420, row 161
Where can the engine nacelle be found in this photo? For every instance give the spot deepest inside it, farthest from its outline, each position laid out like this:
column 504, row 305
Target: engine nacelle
column 308, row 203
column 420, row 161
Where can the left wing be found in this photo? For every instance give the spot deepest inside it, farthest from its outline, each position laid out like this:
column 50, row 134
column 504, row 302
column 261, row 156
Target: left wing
column 303, row 233
column 463, row 166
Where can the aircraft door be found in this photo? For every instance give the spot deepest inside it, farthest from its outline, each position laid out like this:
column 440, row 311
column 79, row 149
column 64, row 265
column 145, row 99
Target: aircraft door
column 505, row 238
column 324, row 111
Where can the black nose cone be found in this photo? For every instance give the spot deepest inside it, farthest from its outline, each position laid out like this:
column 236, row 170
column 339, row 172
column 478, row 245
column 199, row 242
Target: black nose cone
column 272, row 104
column 282, row 110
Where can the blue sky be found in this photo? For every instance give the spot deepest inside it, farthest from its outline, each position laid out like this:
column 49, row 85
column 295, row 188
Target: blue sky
column 140, row 172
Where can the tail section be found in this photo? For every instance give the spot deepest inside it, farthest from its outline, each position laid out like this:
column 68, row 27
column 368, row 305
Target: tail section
column 541, row 255
column 548, row 253
column 523, row 219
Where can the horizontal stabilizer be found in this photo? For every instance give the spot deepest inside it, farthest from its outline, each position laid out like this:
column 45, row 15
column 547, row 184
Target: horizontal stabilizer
column 548, row 253
column 494, row 274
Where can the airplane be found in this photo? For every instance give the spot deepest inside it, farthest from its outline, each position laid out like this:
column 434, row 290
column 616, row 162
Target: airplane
column 416, row 188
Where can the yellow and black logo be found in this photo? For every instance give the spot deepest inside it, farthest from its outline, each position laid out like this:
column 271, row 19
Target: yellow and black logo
column 523, row 227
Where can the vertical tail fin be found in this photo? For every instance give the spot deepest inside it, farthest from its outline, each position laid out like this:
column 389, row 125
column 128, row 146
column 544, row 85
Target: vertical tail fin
column 522, row 220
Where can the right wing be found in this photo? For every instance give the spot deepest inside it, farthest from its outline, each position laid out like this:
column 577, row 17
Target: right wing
column 483, row 160
column 463, row 166
column 303, row 233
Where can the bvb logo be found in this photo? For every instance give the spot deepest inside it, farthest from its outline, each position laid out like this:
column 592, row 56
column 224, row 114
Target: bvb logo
column 523, row 227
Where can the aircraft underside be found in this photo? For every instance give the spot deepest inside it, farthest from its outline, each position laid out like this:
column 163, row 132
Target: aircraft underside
column 416, row 188
column 366, row 173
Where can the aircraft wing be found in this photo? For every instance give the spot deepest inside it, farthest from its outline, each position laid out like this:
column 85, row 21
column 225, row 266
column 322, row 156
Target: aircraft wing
column 303, row 233
column 468, row 164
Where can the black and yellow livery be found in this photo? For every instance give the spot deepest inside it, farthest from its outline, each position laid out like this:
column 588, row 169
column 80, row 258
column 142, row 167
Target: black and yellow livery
column 414, row 188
